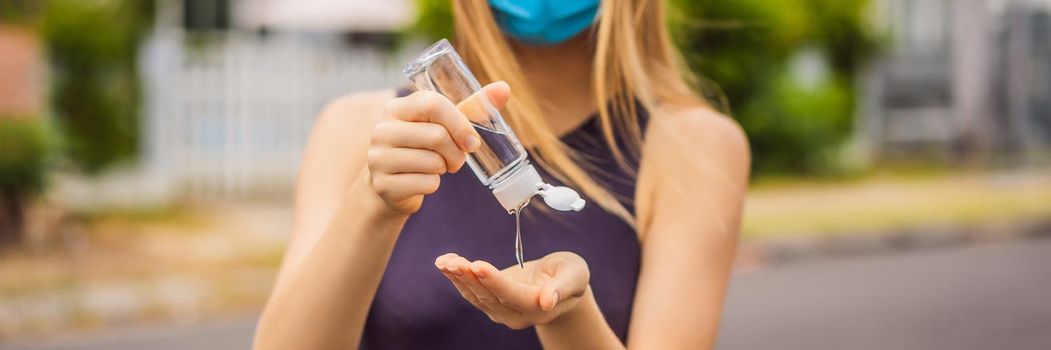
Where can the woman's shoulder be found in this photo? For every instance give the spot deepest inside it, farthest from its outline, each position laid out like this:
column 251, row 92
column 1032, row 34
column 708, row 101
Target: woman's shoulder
column 354, row 109
column 698, row 129
column 694, row 144
column 341, row 134
column 690, row 153
column 350, row 117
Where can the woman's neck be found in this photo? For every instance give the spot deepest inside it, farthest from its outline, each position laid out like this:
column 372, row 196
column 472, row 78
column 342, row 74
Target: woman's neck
column 560, row 76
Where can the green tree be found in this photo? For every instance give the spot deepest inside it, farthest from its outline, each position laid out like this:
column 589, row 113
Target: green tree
column 24, row 153
column 795, row 122
column 95, row 93
column 18, row 11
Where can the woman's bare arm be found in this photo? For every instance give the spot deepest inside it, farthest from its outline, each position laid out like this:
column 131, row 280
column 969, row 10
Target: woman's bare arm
column 691, row 190
column 367, row 167
column 341, row 240
column 693, row 183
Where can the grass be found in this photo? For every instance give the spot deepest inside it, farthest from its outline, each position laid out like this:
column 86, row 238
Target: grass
column 883, row 203
column 161, row 215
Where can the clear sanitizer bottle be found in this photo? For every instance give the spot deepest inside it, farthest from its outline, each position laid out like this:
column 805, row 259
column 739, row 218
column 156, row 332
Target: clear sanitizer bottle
column 501, row 163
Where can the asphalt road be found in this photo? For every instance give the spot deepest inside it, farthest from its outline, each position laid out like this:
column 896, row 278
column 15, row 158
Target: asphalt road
column 993, row 296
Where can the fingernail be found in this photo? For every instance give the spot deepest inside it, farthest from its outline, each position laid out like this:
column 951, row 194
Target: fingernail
column 454, row 270
column 471, row 142
column 478, row 272
column 554, row 297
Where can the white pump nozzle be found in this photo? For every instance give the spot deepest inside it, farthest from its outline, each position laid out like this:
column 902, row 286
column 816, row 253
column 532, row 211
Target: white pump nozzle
column 526, row 183
column 562, row 198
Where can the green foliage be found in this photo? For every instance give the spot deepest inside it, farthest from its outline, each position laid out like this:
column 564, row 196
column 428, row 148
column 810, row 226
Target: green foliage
column 18, row 11
column 795, row 129
column 25, row 146
column 747, row 49
column 434, row 19
column 92, row 48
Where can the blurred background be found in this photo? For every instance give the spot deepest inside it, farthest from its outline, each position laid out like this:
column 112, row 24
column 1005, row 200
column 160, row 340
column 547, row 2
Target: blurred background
column 901, row 193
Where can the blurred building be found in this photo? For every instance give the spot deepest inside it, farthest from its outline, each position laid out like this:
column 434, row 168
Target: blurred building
column 21, row 72
column 1023, row 79
column 355, row 17
column 961, row 79
column 232, row 88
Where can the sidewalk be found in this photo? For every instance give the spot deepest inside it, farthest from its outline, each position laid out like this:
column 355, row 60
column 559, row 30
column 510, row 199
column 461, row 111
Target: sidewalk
column 125, row 269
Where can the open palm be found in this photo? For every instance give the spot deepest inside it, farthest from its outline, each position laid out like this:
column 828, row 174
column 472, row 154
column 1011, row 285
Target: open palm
column 519, row 297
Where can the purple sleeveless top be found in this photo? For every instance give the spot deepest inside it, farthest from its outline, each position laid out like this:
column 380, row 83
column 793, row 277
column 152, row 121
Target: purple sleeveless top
column 417, row 308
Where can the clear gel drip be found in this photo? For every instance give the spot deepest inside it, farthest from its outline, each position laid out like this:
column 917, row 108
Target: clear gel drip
column 518, row 234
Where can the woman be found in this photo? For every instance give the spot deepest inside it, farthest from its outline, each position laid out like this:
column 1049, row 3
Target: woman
column 396, row 246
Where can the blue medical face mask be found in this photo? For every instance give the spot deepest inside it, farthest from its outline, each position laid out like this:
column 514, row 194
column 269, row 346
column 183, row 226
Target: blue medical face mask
column 544, row 22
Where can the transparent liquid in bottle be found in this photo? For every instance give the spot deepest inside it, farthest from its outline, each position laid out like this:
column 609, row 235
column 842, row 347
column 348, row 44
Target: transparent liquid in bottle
column 440, row 69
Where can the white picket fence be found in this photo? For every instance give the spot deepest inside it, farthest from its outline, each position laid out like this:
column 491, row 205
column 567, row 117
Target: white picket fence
column 228, row 114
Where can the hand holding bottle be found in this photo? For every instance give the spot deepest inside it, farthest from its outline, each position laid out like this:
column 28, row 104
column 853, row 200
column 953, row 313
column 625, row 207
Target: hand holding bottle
column 420, row 137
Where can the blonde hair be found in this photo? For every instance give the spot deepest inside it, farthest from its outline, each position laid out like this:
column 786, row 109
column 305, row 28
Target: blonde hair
column 635, row 63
